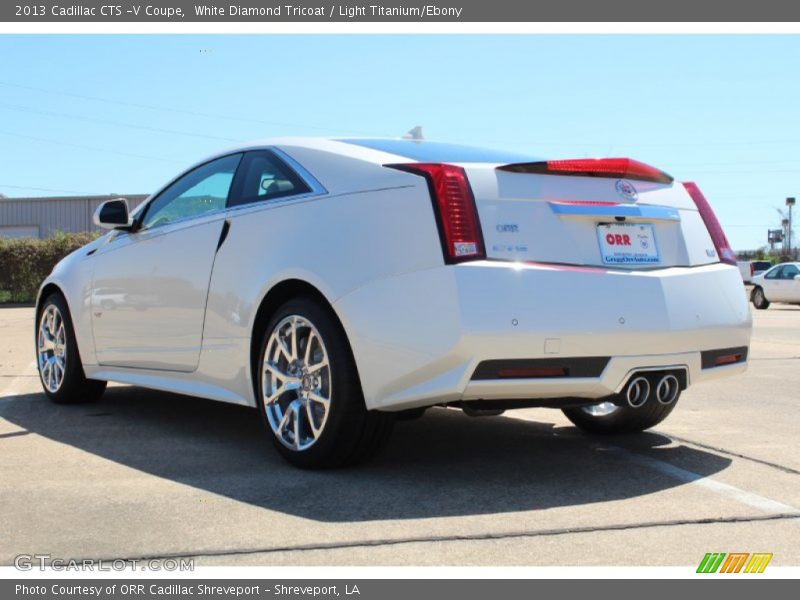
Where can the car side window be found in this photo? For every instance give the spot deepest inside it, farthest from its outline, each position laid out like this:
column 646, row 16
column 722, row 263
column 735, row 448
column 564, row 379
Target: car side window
column 789, row 272
column 202, row 190
column 774, row 273
column 262, row 177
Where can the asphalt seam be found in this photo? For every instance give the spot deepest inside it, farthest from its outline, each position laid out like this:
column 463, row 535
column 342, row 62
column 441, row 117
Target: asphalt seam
column 455, row 538
column 13, row 388
column 736, row 454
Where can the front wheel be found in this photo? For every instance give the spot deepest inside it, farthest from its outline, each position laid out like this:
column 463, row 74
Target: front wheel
column 57, row 358
column 309, row 392
column 610, row 418
column 759, row 299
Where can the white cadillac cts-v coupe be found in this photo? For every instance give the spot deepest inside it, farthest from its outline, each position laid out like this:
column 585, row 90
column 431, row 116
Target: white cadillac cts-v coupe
column 336, row 283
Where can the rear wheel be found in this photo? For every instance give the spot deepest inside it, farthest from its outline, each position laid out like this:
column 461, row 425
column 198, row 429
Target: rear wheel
column 759, row 299
column 57, row 358
column 610, row 418
column 309, row 392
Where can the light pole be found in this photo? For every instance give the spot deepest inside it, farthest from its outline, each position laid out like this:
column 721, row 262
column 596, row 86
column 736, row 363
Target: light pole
column 790, row 204
column 785, row 225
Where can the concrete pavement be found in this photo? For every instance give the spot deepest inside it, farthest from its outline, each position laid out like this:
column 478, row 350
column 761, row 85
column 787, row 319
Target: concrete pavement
column 145, row 473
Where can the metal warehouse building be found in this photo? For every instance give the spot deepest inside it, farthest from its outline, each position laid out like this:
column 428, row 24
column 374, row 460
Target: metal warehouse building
column 42, row 217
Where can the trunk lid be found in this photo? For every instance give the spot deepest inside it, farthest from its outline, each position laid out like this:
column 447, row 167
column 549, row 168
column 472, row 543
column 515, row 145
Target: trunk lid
column 603, row 221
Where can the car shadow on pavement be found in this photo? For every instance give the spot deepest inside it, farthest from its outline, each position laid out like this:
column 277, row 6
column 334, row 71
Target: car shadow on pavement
column 445, row 464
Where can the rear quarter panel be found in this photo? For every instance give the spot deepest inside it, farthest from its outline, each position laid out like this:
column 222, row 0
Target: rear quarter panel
column 336, row 243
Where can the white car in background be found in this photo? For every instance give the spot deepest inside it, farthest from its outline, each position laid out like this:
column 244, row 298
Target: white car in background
column 334, row 283
column 752, row 268
column 781, row 283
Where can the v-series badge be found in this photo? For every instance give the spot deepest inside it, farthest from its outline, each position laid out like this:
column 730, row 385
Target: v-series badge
column 508, row 228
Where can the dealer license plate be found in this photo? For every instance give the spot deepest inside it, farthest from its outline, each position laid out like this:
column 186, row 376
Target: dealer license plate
column 628, row 244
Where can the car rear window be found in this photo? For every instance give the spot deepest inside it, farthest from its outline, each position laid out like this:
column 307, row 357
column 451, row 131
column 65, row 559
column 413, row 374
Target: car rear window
column 424, row 151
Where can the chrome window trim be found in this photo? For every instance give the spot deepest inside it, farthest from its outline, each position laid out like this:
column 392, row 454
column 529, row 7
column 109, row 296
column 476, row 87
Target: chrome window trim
column 275, row 203
column 141, row 210
column 166, row 229
column 311, row 181
column 317, row 189
column 235, row 211
column 228, row 211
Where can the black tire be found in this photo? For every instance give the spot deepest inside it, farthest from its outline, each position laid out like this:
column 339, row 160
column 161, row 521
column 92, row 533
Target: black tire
column 351, row 434
column 74, row 387
column 759, row 299
column 622, row 420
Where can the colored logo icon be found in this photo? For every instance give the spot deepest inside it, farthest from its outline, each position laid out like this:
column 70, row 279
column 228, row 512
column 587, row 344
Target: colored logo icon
column 735, row 562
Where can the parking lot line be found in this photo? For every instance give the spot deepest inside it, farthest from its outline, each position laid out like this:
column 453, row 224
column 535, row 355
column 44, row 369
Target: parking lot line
column 739, row 495
column 756, row 501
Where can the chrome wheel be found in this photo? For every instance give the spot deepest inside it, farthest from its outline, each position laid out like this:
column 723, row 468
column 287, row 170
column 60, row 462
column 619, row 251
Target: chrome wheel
column 51, row 348
column 600, row 410
column 296, row 383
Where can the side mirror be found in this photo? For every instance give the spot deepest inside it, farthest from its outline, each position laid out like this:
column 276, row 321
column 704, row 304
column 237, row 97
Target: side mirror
column 113, row 214
column 797, row 277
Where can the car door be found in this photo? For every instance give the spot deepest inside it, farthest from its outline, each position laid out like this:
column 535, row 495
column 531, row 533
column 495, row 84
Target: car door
column 150, row 285
column 771, row 283
column 791, row 291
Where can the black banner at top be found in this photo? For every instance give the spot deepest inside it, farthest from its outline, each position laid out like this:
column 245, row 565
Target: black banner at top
column 49, row 11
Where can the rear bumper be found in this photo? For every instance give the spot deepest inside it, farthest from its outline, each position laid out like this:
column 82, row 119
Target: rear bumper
column 418, row 338
column 611, row 381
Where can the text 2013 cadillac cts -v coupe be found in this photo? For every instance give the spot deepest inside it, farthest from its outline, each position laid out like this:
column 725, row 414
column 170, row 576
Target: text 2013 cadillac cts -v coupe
column 335, row 283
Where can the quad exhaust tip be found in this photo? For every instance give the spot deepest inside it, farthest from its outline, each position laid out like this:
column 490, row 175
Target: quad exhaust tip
column 638, row 392
column 668, row 389
column 663, row 388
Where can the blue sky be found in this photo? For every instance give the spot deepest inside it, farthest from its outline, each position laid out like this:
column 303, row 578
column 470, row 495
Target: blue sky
column 122, row 114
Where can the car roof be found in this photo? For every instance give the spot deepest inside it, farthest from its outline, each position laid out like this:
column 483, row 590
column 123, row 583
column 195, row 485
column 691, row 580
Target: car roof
column 383, row 150
column 432, row 151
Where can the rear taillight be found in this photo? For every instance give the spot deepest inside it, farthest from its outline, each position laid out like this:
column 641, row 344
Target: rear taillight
column 454, row 206
column 752, row 269
column 724, row 250
column 623, row 168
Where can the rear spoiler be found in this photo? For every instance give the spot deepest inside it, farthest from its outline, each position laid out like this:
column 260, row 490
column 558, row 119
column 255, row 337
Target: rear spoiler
column 620, row 168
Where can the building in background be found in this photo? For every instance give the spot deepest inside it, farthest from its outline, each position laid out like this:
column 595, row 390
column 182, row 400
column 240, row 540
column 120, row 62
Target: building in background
column 42, row 217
